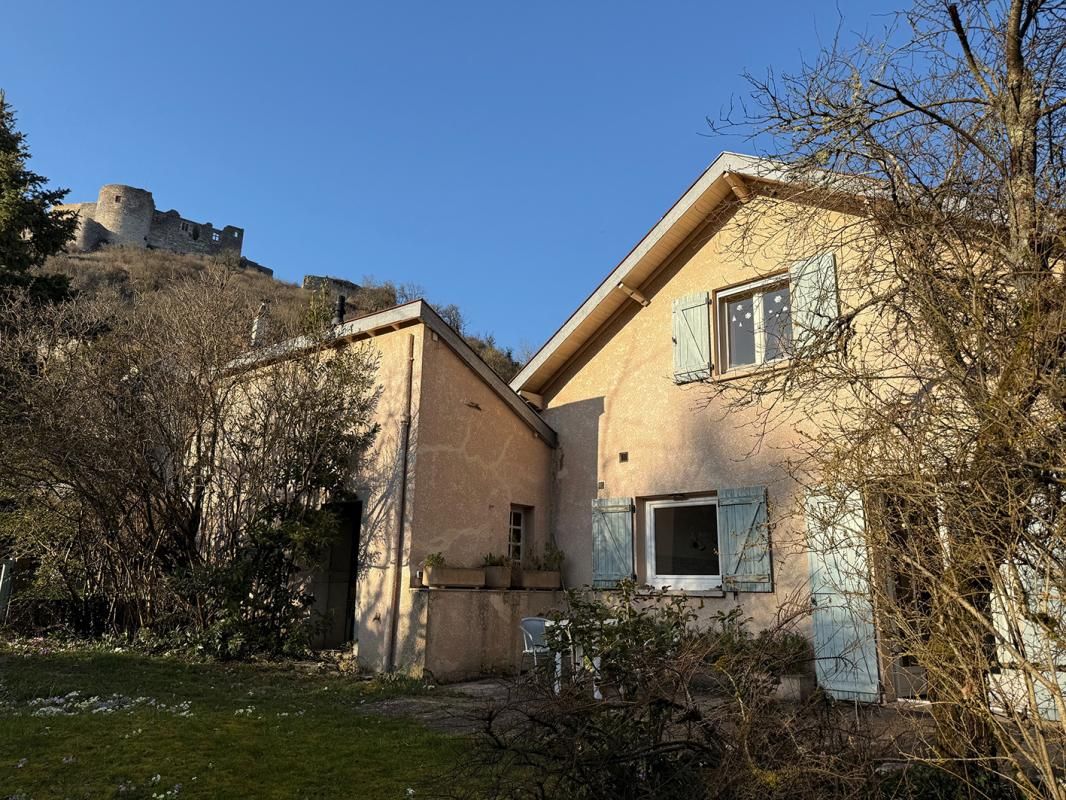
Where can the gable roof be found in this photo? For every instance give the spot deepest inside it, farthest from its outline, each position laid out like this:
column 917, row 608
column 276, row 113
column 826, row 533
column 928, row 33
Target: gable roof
column 670, row 232
column 413, row 313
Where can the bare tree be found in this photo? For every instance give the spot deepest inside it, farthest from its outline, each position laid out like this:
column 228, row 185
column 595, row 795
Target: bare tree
column 159, row 467
column 930, row 160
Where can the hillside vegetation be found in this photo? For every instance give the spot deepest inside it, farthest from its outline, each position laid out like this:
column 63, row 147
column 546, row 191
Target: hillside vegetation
column 129, row 273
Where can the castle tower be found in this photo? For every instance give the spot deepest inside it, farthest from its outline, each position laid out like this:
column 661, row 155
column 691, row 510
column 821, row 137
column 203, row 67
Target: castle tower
column 126, row 213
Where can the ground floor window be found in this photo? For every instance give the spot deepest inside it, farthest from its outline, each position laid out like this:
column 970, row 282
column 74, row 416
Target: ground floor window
column 682, row 544
column 516, row 535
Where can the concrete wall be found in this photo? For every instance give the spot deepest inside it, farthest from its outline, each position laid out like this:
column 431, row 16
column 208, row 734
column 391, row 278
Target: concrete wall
column 380, row 492
column 476, row 459
column 618, row 395
column 474, row 633
column 469, row 459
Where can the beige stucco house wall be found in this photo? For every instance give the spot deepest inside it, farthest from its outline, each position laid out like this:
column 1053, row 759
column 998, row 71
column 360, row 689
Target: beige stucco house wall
column 457, row 449
column 606, row 384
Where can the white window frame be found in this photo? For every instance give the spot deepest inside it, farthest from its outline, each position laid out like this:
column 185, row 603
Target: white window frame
column 521, row 541
column 757, row 289
column 685, row 582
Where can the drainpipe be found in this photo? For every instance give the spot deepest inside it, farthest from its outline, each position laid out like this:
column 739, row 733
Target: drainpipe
column 401, row 507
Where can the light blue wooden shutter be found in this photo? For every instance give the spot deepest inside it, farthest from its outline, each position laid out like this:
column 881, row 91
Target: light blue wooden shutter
column 1028, row 616
column 692, row 338
column 845, row 645
column 745, row 539
column 814, row 296
column 7, row 571
column 612, row 541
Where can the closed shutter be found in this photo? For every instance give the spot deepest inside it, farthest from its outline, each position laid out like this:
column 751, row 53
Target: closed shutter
column 612, row 541
column 845, row 646
column 745, row 538
column 692, row 338
column 814, row 296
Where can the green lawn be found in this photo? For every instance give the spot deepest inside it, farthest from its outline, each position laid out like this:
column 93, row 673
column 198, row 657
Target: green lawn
column 202, row 730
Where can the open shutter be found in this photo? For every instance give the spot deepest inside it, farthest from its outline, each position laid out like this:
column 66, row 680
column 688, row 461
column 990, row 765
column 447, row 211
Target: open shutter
column 612, row 541
column 7, row 570
column 814, row 296
column 845, row 647
column 692, row 338
column 1027, row 615
column 745, row 539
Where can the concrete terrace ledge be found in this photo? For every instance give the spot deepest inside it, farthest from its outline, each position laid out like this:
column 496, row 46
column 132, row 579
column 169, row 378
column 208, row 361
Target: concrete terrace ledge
column 474, row 632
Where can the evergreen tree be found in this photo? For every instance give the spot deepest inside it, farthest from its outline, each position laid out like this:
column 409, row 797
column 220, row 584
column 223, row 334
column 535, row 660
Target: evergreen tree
column 30, row 230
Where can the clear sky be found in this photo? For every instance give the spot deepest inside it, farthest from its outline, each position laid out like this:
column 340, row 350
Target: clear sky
column 503, row 155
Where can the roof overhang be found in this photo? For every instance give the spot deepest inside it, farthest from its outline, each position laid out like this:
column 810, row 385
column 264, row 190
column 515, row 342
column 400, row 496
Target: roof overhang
column 723, row 179
column 393, row 319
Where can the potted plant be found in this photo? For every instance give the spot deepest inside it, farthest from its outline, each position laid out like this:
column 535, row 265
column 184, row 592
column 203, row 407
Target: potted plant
column 544, row 570
column 497, row 571
column 437, row 572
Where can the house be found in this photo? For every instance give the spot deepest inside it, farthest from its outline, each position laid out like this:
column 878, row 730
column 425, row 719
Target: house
column 600, row 445
column 609, row 444
column 658, row 479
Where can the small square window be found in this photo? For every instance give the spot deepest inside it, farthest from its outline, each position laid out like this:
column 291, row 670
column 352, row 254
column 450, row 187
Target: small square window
column 118, row 198
column 755, row 324
column 623, row 457
column 214, row 236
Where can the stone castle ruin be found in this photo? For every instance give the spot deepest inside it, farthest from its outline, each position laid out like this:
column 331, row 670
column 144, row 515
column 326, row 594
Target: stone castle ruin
column 125, row 215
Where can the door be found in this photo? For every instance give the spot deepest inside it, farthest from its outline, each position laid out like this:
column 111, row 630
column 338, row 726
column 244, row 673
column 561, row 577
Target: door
column 341, row 576
column 845, row 645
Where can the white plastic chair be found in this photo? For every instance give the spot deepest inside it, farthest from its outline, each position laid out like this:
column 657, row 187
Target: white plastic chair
column 534, row 642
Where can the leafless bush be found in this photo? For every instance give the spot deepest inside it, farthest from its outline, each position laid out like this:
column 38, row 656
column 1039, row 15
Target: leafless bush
column 160, row 477
column 669, row 709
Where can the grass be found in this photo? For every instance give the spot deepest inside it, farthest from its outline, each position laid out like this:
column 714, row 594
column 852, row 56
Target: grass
column 213, row 731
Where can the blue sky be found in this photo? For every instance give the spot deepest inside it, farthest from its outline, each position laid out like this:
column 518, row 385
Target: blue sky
column 503, row 155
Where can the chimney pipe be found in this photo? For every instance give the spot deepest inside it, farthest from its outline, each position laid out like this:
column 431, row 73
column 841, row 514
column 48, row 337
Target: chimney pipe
column 338, row 316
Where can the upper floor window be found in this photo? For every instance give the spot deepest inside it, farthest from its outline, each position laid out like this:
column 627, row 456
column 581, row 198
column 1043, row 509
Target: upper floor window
column 755, row 323
column 184, row 226
column 758, row 322
column 214, row 236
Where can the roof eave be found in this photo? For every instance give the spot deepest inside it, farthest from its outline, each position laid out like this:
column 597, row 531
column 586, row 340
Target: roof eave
column 540, row 370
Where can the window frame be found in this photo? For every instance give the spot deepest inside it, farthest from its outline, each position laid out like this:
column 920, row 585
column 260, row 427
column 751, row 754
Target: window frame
column 757, row 289
column 520, row 544
column 683, row 582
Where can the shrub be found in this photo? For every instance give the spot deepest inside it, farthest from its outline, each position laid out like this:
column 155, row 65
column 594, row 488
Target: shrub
column 656, row 732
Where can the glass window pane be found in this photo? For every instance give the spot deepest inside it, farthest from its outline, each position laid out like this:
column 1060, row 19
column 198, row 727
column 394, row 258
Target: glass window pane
column 686, row 540
column 740, row 322
column 777, row 321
